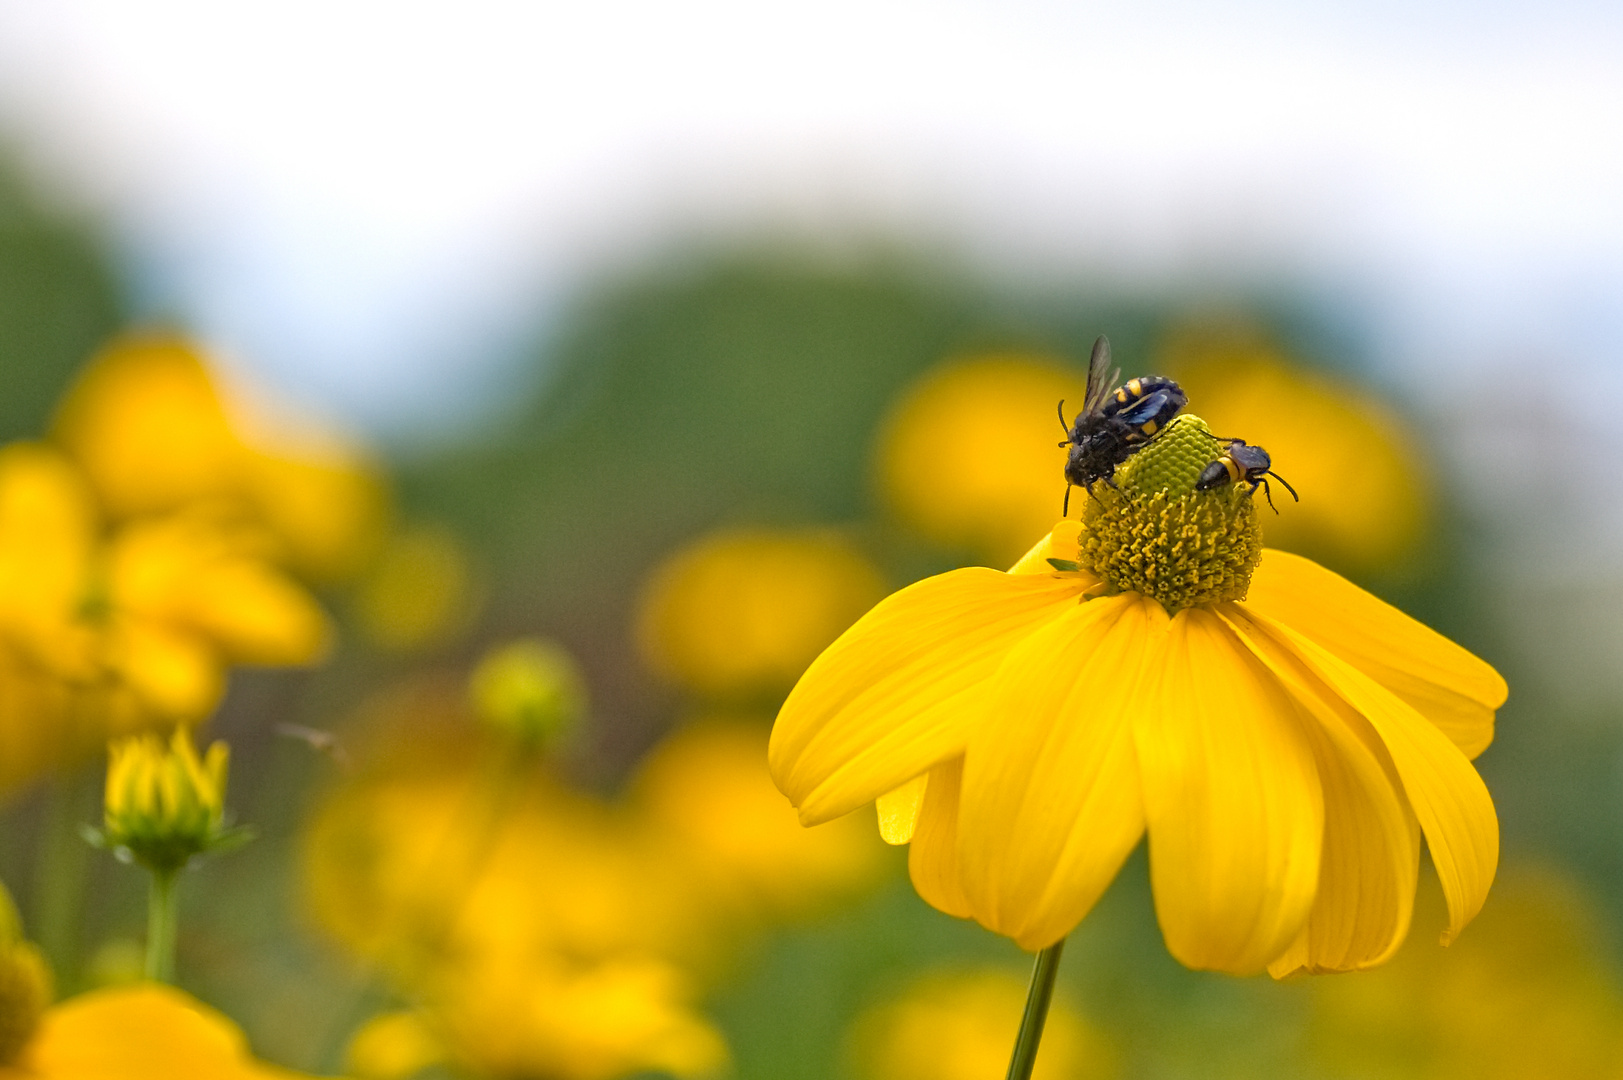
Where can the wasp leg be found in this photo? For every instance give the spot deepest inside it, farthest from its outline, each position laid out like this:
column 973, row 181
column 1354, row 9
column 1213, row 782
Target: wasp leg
column 1065, row 509
column 1262, row 482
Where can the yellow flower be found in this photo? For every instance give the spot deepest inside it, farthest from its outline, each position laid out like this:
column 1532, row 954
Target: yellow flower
column 743, row 612
column 1363, row 475
column 1526, row 996
column 708, row 787
column 418, row 592
column 1282, row 736
column 955, row 1026
column 143, row 1032
column 155, row 431
column 139, row 623
column 506, row 1016
column 164, row 804
column 969, row 457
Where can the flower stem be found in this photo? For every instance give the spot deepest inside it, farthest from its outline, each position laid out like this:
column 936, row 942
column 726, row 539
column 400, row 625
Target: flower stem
column 161, row 920
column 1037, row 1001
column 62, row 872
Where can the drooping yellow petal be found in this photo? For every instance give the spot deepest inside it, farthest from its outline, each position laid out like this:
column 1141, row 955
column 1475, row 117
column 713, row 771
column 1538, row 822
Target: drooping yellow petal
column 1060, row 543
column 1371, row 838
column 932, row 860
column 1445, row 683
column 1051, row 800
column 897, row 692
column 899, row 810
column 1449, row 798
column 1232, row 800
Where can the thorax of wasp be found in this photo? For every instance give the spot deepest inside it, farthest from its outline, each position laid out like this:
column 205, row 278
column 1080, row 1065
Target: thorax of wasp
column 1129, row 417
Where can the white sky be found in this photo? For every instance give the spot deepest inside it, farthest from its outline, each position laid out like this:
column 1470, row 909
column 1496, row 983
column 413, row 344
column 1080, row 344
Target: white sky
column 365, row 201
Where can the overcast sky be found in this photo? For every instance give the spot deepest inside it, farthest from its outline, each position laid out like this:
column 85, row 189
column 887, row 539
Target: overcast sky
column 366, row 201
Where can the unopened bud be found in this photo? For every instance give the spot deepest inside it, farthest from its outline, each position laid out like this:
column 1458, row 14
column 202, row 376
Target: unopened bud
column 164, row 804
column 530, row 689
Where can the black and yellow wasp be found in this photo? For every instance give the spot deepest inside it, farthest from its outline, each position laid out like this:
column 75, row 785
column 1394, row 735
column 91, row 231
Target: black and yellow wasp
column 1114, row 423
column 1243, row 462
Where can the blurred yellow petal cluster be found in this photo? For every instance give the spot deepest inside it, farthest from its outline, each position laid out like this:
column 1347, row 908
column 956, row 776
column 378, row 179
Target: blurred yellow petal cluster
column 969, row 457
column 530, row 690
column 419, row 590
column 959, row 1026
column 707, row 788
column 1527, row 996
column 742, row 612
column 1364, row 481
column 25, row 984
column 549, row 932
column 155, row 429
column 143, row 1032
column 143, row 553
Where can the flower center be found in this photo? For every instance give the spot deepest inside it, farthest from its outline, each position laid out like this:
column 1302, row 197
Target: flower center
column 1154, row 534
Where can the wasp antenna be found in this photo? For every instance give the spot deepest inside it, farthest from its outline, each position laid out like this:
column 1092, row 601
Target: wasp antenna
column 1065, row 508
column 1287, row 484
column 1063, row 425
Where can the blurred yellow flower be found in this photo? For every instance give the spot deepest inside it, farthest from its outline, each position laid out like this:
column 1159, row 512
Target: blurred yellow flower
column 1527, row 996
column 742, row 612
column 969, row 456
column 164, row 804
column 959, row 1025
column 25, row 984
column 418, row 592
column 155, row 431
column 708, row 786
column 143, row 1032
column 530, row 690
column 103, row 633
column 1281, row 735
column 598, row 1020
column 1364, row 480
column 394, row 1046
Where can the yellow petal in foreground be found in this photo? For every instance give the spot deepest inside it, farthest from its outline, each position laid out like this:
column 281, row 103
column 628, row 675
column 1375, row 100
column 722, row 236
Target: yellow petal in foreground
column 142, row 1032
column 894, row 694
column 1232, row 796
column 1446, row 684
column 1051, row 801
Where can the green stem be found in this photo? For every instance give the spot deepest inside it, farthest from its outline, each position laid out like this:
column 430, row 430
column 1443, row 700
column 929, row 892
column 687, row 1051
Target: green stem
column 1037, row 1002
column 62, row 871
column 161, row 922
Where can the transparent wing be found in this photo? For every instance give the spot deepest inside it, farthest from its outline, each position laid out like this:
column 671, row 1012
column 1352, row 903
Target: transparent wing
column 1101, row 380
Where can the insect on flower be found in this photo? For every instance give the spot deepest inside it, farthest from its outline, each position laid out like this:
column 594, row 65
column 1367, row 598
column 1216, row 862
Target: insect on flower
column 1113, row 424
column 1241, row 461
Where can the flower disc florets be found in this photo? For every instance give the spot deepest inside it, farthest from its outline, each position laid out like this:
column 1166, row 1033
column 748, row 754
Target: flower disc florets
column 1153, row 533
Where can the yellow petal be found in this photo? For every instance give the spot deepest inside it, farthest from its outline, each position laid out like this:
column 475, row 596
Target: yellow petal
column 1060, row 543
column 899, row 810
column 1051, row 801
column 897, row 692
column 1445, row 683
column 1232, row 798
column 175, row 675
column 1371, row 838
column 932, row 861
column 1449, row 798
column 141, row 1032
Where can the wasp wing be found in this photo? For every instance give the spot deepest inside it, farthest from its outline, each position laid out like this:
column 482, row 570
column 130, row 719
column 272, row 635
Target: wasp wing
column 1145, row 407
column 1101, row 380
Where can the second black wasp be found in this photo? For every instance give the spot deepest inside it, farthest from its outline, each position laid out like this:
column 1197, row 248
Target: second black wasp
column 1242, row 462
column 1114, row 423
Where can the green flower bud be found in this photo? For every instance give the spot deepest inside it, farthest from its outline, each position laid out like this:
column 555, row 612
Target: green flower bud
column 530, row 690
column 164, row 805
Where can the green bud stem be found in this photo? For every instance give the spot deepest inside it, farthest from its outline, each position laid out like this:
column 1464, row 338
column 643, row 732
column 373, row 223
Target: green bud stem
column 162, row 920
